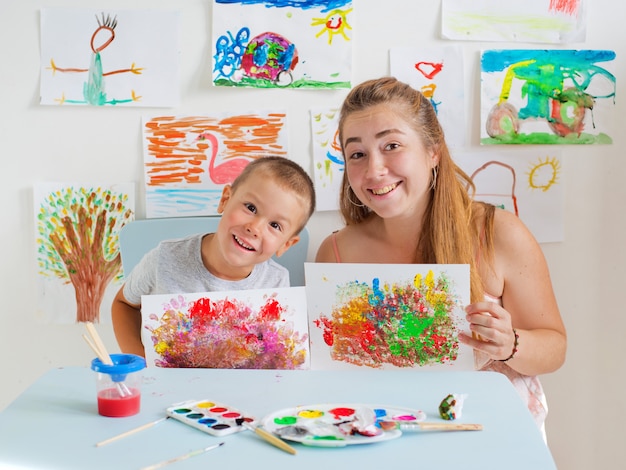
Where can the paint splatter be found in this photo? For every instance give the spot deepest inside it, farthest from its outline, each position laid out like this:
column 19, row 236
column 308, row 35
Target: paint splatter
column 227, row 334
column 403, row 324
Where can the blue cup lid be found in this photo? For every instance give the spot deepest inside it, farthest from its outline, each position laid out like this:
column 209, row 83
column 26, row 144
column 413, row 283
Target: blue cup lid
column 122, row 364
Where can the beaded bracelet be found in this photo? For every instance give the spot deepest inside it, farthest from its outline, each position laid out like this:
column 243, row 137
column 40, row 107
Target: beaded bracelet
column 515, row 345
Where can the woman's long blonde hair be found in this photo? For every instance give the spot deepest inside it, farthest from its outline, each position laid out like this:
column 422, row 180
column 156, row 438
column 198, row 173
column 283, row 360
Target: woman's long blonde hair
column 456, row 229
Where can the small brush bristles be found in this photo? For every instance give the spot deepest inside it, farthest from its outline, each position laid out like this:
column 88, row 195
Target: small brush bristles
column 388, row 425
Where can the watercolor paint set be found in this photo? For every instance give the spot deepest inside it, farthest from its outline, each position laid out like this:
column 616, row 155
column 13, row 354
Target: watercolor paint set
column 210, row 416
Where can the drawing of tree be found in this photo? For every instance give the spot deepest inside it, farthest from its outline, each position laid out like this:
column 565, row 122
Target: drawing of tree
column 78, row 242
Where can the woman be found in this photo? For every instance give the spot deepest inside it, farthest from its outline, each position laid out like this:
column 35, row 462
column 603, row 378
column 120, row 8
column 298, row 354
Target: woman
column 404, row 200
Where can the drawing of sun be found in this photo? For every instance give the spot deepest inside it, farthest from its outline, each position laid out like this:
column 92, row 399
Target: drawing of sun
column 544, row 174
column 335, row 22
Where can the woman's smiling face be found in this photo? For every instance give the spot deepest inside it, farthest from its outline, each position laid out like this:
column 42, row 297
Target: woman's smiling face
column 387, row 165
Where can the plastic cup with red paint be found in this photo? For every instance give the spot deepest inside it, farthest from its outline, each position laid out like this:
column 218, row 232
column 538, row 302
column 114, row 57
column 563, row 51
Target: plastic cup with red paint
column 118, row 385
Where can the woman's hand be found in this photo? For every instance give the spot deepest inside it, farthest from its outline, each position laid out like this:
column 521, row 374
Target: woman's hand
column 492, row 328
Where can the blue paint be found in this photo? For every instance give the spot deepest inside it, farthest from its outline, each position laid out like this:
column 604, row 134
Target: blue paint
column 207, row 421
column 498, row 60
column 327, row 5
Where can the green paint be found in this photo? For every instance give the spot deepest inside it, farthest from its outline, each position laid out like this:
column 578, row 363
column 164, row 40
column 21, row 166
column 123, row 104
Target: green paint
column 547, row 138
column 261, row 83
column 286, row 420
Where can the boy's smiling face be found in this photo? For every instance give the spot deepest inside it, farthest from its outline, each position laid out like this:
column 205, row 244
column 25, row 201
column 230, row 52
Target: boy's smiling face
column 259, row 220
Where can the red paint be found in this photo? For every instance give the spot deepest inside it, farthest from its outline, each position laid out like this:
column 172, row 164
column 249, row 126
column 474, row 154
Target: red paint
column 339, row 413
column 110, row 403
column 565, row 6
column 428, row 69
column 438, row 341
column 367, row 337
column 271, row 311
column 203, row 309
column 218, row 409
column 331, row 25
column 327, row 334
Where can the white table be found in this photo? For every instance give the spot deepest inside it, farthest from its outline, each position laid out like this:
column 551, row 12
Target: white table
column 54, row 424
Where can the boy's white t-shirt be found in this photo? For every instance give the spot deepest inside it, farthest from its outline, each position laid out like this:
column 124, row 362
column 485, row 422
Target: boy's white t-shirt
column 175, row 267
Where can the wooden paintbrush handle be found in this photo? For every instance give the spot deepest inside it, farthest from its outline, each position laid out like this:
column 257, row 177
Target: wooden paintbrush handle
column 450, row 427
column 269, row 437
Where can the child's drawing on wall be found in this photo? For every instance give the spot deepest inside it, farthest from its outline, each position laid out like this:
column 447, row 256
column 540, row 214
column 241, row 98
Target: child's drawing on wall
column 189, row 159
column 547, row 21
column 282, row 44
column 438, row 73
column 109, row 58
column 533, row 96
column 328, row 164
column 530, row 184
column 79, row 264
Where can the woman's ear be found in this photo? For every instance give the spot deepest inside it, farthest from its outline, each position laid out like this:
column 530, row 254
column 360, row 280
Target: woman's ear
column 434, row 158
column 226, row 194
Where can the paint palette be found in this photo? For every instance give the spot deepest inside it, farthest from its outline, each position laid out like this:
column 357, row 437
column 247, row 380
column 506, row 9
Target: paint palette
column 338, row 425
column 210, row 416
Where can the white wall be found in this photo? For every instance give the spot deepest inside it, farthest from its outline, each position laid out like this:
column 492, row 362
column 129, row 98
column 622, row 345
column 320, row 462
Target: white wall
column 585, row 424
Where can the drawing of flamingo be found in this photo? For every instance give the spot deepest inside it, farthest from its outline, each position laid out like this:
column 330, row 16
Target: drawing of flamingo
column 225, row 172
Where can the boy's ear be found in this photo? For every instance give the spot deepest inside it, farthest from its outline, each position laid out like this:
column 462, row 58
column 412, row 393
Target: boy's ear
column 289, row 243
column 226, row 193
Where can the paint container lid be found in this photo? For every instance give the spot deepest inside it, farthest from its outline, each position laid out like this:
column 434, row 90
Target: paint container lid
column 123, row 364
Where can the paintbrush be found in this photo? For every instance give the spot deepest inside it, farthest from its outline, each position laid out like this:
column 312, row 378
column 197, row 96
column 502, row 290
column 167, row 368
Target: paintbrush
column 269, row 437
column 132, row 431
column 98, row 347
column 193, row 453
column 432, row 426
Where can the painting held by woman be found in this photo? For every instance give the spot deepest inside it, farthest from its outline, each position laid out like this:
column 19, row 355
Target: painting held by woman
column 402, row 189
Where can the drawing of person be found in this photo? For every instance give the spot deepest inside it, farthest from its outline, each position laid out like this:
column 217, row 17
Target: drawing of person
column 94, row 89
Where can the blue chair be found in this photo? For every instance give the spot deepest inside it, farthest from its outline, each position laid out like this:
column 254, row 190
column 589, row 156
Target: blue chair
column 140, row 236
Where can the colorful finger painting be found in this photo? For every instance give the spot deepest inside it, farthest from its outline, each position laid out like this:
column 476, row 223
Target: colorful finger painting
column 547, row 21
column 251, row 329
column 282, row 44
column 438, row 73
column 189, row 159
column 328, row 164
column 529, row 183
column 80, row 268
column 387, row 316
column 533, row 96
column 109, row 57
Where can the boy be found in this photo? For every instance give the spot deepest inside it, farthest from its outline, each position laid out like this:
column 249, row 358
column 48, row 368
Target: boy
column 263, row 211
